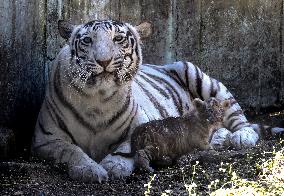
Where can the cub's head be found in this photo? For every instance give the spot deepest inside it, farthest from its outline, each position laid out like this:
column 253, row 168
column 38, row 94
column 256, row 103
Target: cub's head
column 105, row 51
column 211, row 110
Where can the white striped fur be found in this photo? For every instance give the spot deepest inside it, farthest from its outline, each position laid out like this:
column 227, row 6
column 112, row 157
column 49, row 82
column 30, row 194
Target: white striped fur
column 98, row 92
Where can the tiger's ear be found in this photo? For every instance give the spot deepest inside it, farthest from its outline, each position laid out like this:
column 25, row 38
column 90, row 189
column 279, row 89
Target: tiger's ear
column 65, row 29
column 144, row 29
column 198, row 104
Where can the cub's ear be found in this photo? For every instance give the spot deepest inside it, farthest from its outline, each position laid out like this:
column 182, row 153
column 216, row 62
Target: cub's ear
column 144, row 29
column 198, row 104
column 226, row 104
column 65, row 29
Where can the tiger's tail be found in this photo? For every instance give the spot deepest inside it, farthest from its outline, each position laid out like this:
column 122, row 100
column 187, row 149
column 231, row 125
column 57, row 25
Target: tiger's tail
column 268, row 132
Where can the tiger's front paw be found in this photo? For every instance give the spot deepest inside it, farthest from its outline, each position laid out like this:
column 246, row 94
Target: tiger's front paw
column 88, row 172
column 244, row 138
column 118, row 166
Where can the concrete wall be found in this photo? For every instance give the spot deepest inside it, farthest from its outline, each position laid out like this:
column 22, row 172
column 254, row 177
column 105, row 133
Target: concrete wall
column 239, row 42
column 22, row 65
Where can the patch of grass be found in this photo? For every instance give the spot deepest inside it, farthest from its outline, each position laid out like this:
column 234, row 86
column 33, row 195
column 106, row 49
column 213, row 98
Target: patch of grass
column 270, row 180
column 191, row 187
column 256, row 171
column 149, row 185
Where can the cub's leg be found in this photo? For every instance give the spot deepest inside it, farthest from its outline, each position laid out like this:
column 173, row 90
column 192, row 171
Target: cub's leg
column 165, row 161
column 205, row 145
column 142, row 160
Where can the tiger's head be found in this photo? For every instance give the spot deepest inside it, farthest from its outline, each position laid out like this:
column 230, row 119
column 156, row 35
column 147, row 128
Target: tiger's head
column 105, row 51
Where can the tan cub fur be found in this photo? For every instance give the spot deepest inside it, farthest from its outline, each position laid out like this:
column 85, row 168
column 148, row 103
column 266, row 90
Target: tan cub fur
column 163, row 141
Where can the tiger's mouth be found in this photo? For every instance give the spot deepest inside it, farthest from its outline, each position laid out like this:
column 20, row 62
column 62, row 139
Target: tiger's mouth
column 94, row 78
column 99, row 70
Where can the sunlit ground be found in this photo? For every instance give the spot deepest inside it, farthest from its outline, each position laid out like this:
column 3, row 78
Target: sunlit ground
column 261, row 174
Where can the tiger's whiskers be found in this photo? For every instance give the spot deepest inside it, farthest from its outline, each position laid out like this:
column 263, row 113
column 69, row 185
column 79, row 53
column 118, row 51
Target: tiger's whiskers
column 80, row 75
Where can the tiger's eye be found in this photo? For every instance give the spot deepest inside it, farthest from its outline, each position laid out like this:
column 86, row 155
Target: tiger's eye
column 87, row 40
column 118, row 38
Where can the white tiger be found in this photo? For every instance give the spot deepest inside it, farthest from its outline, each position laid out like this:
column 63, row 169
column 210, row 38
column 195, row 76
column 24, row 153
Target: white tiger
column 99, row 91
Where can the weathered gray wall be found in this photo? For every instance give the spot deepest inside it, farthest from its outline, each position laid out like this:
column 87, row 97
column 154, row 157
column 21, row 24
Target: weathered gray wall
column 22, row 64
column 239, row 42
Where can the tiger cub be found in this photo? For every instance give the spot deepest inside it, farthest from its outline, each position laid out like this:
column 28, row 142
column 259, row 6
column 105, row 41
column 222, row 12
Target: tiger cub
column 164, row 141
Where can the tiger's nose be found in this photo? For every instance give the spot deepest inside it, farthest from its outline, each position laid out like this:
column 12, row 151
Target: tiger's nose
column 104, row 63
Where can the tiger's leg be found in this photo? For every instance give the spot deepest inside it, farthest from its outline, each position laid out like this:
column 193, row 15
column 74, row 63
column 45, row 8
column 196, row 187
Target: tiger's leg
column 119, row 166
column 200, row 85
column 60, row 149
column 80, row 165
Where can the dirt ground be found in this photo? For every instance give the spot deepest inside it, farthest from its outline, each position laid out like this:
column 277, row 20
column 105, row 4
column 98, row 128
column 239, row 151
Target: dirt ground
column 34, row 177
